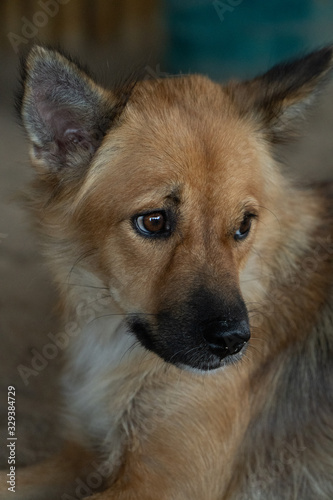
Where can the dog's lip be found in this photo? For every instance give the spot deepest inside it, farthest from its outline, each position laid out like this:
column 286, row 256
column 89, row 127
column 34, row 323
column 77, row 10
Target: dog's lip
column 201, row 369
column 215, row 365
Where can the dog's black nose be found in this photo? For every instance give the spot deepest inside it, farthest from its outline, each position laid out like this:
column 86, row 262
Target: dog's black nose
column 225, row 338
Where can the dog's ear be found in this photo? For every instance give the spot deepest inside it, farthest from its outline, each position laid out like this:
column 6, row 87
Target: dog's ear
column 65, row 113
column 279, row 97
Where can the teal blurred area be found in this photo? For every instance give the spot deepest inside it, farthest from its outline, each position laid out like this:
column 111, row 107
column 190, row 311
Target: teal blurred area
column 242, row 37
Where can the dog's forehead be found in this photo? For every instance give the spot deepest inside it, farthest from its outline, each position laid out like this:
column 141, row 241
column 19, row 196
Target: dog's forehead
column 177, row 136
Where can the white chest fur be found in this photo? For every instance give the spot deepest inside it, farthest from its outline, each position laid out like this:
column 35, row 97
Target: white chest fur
column 100, row 379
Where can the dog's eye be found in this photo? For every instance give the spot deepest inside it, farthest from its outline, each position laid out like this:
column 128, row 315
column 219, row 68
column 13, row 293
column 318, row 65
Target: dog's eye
column 152, row 224
column 244, row 228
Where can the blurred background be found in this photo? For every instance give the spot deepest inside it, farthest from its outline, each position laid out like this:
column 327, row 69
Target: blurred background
column 220, row 38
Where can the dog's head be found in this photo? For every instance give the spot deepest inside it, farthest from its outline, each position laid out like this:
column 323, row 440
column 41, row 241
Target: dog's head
column 163, row 186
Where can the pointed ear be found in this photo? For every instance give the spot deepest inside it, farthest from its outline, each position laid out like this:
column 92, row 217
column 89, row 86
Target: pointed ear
column 65, row 113
column 279, row 97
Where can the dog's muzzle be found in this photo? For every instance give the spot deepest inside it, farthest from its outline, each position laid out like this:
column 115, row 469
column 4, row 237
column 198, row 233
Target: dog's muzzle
column 203, row 332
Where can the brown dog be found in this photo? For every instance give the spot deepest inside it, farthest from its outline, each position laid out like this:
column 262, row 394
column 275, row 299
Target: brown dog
column 173, row 236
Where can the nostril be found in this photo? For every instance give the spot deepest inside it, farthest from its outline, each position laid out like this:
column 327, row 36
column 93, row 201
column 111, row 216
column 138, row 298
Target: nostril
column 225, row 339
column 230, row 345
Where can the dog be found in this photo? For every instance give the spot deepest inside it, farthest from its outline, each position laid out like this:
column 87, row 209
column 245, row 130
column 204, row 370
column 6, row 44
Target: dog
column 195, row 284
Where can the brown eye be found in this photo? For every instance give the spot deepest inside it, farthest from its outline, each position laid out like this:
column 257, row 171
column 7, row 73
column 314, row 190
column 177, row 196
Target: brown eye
column 155, row 223
column 244, row 228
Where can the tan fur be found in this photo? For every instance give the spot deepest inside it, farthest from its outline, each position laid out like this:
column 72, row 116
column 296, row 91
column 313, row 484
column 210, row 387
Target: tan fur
column 176, row 434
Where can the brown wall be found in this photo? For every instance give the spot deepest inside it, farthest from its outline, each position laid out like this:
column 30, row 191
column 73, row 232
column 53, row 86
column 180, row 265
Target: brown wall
column 76, row 23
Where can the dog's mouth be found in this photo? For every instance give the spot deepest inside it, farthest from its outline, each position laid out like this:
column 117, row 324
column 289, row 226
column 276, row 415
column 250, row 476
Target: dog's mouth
column 213, row 364
column 192, row 342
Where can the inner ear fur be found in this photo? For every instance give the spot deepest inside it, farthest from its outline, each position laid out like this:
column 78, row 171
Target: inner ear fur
column 278, row 98
column 64, row 112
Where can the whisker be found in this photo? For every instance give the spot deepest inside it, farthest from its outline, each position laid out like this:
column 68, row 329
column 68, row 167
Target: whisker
column 256, row 349
column 259, row 309
column 83, row 256
column 87, row 286
column 270, row 211
column 257, row 278
column 105, row 296
column 258, row 339
column 184, row 351
column 109, row 315
column 130, row 348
